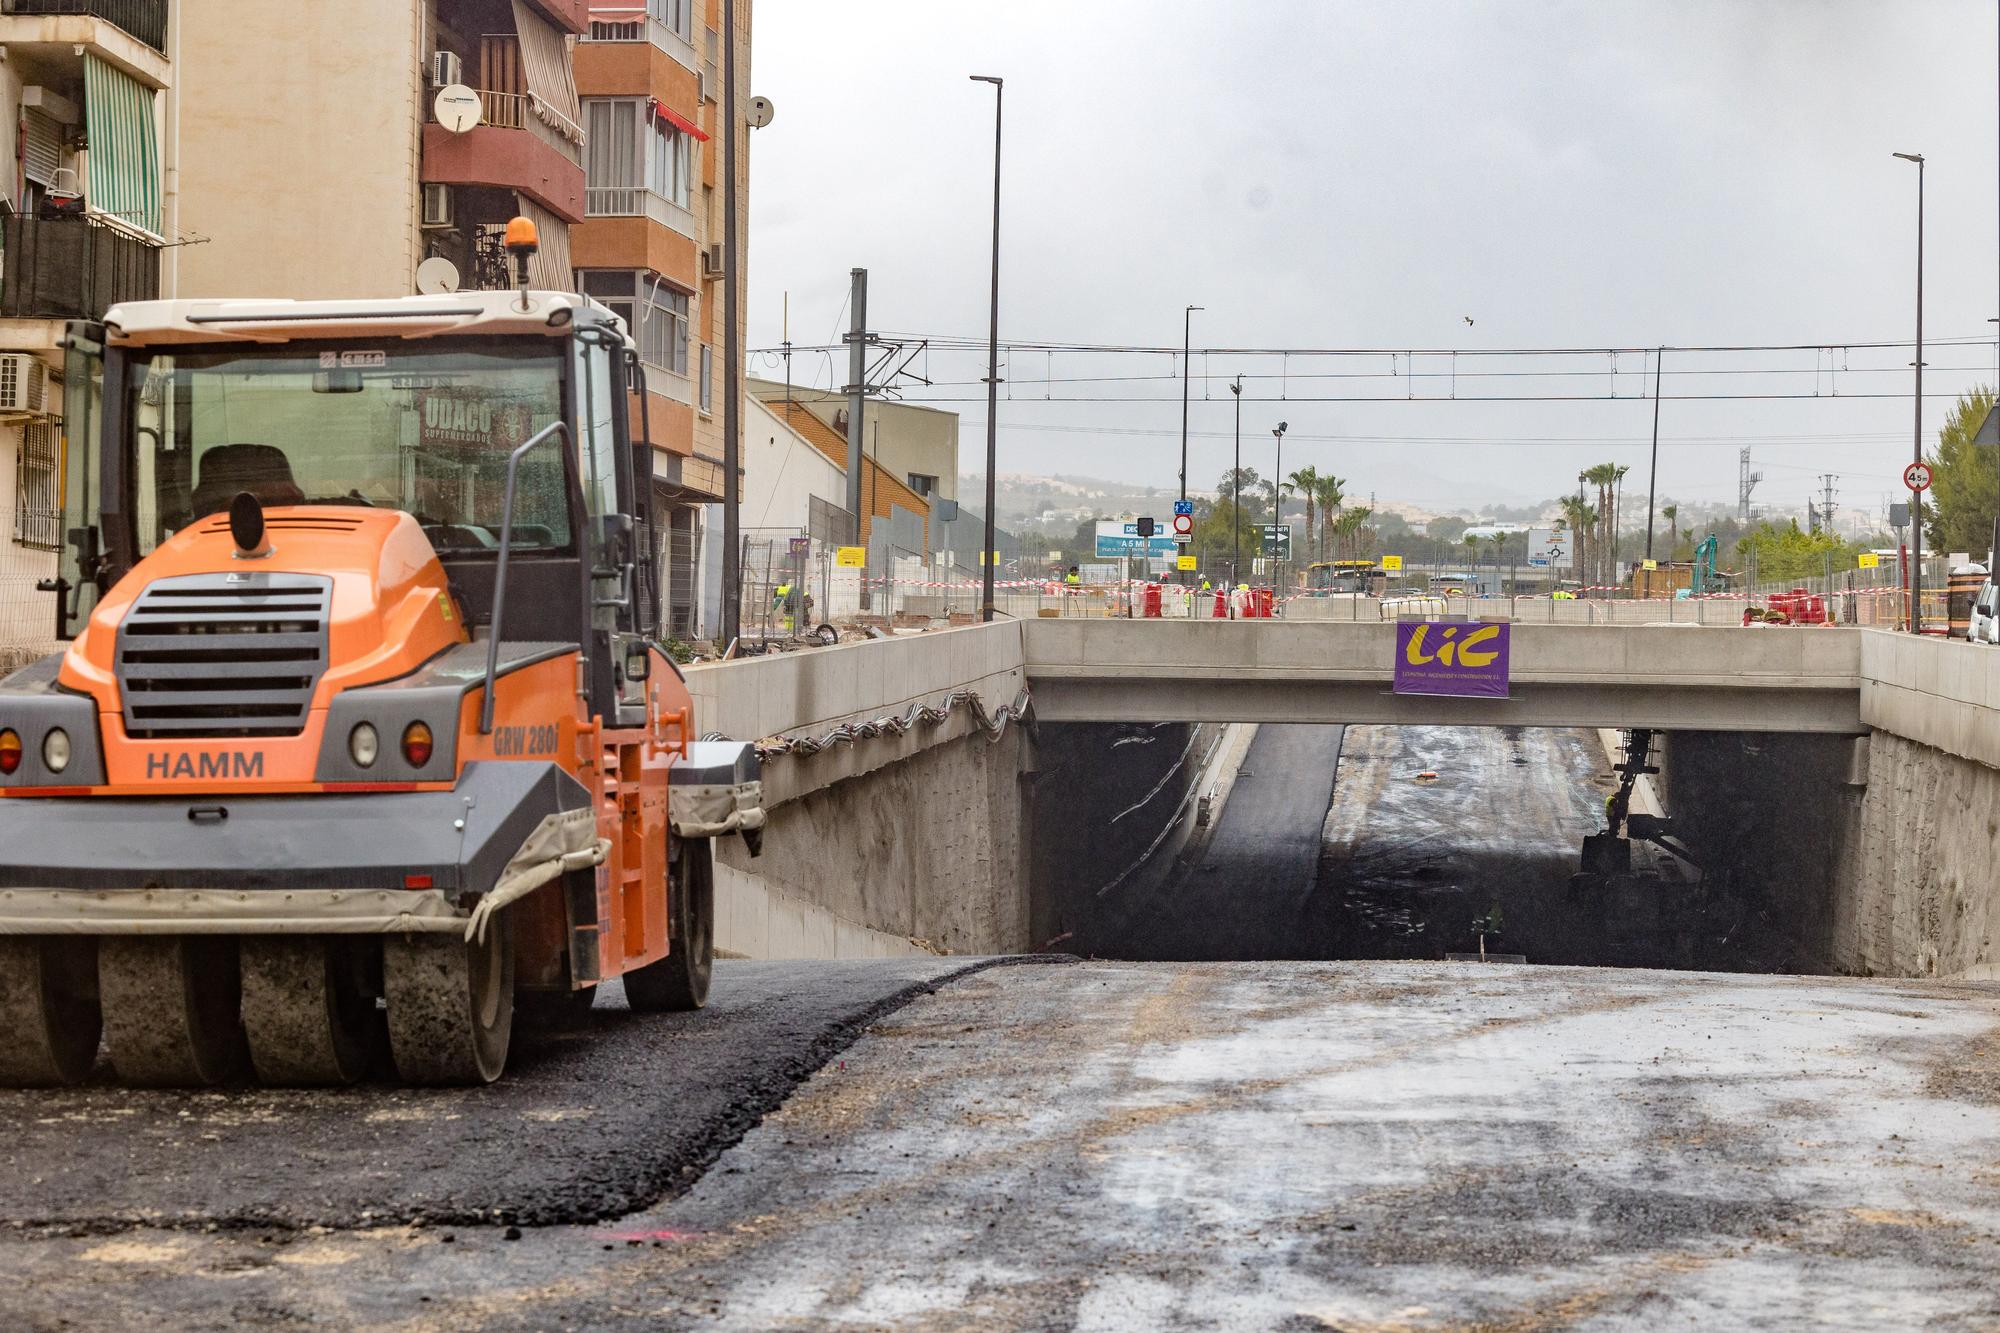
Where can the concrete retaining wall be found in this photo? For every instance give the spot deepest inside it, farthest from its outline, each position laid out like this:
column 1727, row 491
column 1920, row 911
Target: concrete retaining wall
column 1917, row 872
column 893, row 844
column 1877, row 856
column 924, row 855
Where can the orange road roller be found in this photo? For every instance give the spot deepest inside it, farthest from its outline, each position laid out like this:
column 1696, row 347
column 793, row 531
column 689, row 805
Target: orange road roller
column 363, row 741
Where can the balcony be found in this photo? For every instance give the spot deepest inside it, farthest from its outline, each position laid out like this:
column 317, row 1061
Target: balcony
column 143, row 19
column 502, row 153
column 71, row 268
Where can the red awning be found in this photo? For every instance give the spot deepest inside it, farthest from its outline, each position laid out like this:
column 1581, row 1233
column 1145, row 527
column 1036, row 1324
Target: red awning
column 678, row 121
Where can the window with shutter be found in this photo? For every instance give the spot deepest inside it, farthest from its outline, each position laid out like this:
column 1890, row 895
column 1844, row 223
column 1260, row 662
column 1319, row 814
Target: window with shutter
column 41, row 148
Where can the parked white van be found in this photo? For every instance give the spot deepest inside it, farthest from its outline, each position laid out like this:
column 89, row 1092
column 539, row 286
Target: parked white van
column 1986, row 614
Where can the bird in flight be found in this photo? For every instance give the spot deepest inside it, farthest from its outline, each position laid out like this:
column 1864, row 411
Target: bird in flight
column 1468, row 319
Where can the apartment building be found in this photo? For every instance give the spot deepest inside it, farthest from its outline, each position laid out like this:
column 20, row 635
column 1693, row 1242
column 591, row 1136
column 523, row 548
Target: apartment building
column 310, row 156
column 313, row 153
column 82, row 113
column 649, row 77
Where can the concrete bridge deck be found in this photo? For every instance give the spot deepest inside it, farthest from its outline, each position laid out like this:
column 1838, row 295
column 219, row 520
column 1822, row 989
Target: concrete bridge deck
column 1684, row 678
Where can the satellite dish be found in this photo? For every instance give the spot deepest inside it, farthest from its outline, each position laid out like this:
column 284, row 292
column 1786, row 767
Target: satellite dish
column 457, row 108
column 437, row 276
column 760, row 112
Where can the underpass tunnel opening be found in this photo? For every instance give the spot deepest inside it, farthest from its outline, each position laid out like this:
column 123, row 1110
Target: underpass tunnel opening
column 1697, row 850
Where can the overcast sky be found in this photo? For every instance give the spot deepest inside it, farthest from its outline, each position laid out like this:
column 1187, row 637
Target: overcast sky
column 1322, row 173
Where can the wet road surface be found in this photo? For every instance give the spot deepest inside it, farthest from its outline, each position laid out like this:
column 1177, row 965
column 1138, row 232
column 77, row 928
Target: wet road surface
column 1247, row 893
column 1379, row 1146
column 1414, row 861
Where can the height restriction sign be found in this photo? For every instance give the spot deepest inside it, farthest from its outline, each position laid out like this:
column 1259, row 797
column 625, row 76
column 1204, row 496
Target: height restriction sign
column 1917, row 476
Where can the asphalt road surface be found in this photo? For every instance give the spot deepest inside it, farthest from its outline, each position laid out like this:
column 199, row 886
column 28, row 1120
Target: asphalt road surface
column 588, row 1123
column 1359, row 1146
column 1247, row 894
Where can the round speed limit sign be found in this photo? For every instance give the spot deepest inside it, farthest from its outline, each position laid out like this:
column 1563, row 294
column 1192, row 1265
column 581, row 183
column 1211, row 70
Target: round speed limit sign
column 1917, row 476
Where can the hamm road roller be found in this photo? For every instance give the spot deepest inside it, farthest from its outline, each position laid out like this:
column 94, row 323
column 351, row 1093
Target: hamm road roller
column 362, row 741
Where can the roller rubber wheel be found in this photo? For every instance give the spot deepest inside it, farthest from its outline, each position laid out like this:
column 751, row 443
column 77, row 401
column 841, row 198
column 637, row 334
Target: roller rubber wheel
column 308, row 1008
column 451, row 1004
column 49, row 1018
column 679, row 982
column 171, row 1008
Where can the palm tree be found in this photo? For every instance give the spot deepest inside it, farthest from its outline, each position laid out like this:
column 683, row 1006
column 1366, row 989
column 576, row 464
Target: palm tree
column 1332, row 490
column 1578, row 517
column 1672, row 513
column 1348, row 530
column 1604, row 476
column 1305, row 483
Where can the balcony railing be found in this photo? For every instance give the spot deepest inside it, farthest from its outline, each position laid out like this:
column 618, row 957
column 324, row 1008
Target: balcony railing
column 71, row 268
column 144, row 19
column 615, row 201
column 507, row 111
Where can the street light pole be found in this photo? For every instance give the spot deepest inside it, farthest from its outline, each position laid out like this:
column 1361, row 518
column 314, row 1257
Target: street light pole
column 1187, row 330
column 1278, row 506
column 1917, row 497
column 1236, row 488
column 988, row 556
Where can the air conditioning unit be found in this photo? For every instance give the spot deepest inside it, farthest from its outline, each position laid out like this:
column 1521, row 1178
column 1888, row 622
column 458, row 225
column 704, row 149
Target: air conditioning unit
column 24, row 384
column 437, row 206
column 446, row 69
column 711, row 261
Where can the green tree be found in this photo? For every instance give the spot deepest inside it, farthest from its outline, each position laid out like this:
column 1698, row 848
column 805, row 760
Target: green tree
column 1788, row 554
column 1672, row 513
column 1960, row 507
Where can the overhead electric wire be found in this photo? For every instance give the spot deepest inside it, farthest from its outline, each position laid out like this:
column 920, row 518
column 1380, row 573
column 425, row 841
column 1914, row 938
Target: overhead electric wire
column 949, row 342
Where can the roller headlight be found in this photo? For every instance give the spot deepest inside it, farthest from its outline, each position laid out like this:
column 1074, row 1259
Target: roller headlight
column 363, row 745
column 55, row 750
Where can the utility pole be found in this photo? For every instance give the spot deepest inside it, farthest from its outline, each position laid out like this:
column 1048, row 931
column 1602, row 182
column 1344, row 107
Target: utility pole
column 1278, row 507
column 1236, row 487
column 1187, row 330
column 1826, row 500
column 1917, row 393
column 857, row 387
column 732, row 349
column 989, row 556
column 1653, row 473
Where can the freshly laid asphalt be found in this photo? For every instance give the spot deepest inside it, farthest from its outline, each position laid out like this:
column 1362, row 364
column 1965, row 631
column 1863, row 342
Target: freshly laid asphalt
column 588, row 1123
column 1381, row 1146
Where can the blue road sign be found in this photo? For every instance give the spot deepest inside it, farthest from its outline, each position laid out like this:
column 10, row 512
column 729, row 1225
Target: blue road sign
column 1183, row 506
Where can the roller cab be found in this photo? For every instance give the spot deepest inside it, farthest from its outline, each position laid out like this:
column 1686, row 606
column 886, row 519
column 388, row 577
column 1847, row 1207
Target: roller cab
column 363, row 740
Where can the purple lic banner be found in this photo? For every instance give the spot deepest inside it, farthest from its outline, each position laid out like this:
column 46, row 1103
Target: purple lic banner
column 1454, row 657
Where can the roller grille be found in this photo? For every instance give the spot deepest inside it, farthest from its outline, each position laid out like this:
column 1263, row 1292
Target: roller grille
column 223, row 655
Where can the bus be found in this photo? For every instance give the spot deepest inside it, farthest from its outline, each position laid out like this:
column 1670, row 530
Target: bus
column 1328, row 577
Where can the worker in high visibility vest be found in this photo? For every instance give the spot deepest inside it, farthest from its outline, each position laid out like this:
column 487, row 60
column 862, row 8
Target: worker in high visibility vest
column 1204, row 584
column 785, row 599
column 1073, row 581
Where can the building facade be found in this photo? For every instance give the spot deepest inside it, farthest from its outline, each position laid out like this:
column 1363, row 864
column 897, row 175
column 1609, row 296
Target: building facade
column 83, row 111
column 649, row 77
column 596, row 120
column 917, row 445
